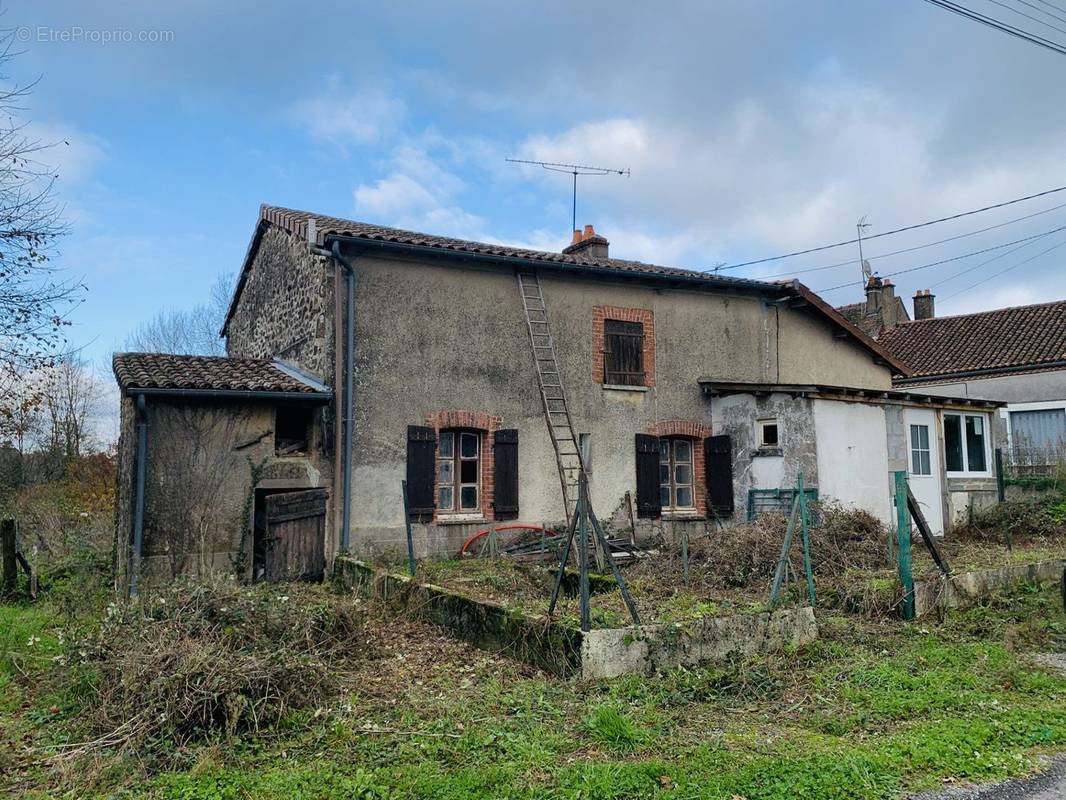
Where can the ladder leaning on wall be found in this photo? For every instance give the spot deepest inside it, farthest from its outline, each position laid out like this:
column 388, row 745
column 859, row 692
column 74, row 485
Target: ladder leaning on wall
column 556, row 411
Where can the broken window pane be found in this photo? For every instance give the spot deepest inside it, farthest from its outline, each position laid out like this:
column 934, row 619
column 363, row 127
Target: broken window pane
column 467, row 472
column 468, row 498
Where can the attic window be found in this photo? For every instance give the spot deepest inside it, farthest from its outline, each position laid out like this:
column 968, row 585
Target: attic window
column 292, row 429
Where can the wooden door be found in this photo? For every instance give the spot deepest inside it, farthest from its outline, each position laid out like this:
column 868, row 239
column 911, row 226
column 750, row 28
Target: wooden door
column 295, row 536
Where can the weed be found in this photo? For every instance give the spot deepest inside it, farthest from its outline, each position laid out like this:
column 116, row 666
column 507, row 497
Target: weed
column 611, row 727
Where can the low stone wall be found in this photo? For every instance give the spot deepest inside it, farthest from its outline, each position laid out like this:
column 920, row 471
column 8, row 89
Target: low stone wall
column 566, row 651
column 968, row 588
column 610, row 652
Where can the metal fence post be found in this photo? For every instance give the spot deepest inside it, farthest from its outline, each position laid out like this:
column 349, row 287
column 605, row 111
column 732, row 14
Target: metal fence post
column 10, row 565
column 903, row 543
column 1001, row 487
column 410, row 537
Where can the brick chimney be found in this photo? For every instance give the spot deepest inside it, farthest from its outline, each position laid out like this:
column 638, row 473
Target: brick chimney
column 587, row 244
column 923, row 304
column 873, row 295
column 889, row 306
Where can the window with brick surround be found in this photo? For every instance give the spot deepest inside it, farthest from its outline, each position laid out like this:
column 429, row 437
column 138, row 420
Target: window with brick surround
column 459, row 471
column 623, row 353
column 623, row 346
column 676, row 474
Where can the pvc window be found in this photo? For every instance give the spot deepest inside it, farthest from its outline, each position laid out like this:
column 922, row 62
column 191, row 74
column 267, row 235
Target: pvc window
column 458, row 471
column 920, row 458
column 675, row 474
column 966, row 444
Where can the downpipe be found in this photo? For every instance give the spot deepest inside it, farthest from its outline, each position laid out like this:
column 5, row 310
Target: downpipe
column 349, row 382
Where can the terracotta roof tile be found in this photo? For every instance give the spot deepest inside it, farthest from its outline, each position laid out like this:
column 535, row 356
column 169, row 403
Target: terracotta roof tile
column 166, row 371
column 1022, row 337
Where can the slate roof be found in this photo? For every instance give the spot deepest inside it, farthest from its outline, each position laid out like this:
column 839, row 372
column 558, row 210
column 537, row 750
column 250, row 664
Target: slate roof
column 1022, row 337
column 218, row 373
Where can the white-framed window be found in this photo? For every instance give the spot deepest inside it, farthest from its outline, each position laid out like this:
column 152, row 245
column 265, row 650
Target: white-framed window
column 768, row 432
column 675, row 474
column 967, row 445
column 459, row 472
column 921, row 463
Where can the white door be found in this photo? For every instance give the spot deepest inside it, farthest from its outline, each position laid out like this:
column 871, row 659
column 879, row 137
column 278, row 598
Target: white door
column 923, row 466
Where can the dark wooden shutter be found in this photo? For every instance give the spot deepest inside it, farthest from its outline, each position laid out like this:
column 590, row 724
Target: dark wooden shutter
column 505, row 479
column 718, row 461
column 421, row 469
column 623, row 353
column 649, row 505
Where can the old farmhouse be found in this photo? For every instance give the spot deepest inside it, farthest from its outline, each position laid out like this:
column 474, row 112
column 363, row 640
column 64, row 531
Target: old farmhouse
column 485, row 377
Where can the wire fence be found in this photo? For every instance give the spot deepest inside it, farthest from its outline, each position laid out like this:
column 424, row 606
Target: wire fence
column 1030, row 461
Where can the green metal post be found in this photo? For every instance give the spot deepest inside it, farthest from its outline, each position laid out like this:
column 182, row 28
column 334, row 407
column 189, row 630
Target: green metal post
column 805, row 529
column 779, row 573
column 903, row 543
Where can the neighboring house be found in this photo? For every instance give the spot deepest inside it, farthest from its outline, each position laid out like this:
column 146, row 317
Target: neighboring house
column 694, row 398
column 881, row 309
column 1014, row 355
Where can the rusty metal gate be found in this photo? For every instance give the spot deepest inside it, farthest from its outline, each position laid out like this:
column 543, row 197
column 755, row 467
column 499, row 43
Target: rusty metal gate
column 295, row 536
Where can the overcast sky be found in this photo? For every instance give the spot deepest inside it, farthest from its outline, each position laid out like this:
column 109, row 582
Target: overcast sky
column 751, row 129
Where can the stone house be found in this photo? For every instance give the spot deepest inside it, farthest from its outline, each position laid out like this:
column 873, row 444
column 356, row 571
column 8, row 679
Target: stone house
column 694, row 399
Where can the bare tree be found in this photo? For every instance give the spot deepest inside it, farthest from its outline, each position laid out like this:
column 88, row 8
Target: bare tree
column 187, row 332
column 69, row 402
column 35, row 298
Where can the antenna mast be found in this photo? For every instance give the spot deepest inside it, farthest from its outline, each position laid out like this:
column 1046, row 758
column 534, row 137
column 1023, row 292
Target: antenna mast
column 575, row 170
column 860, row 226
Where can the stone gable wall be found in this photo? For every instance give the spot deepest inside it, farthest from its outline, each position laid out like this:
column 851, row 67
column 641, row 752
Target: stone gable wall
column 286, row 306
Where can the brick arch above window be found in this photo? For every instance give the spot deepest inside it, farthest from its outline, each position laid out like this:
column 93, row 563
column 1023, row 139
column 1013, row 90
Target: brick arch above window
column 487, row 424
column 697, row 431
column 680, row 427
column 477, row 420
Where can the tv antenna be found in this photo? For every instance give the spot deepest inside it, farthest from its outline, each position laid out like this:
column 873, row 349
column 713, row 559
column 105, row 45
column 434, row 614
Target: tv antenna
column 575, row 170
column 860, row 226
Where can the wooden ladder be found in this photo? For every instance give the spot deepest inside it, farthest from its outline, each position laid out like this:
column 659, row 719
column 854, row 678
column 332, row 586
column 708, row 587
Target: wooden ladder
column 556, row 411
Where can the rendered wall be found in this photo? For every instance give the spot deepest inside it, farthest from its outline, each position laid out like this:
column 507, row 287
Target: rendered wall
column 853, row 456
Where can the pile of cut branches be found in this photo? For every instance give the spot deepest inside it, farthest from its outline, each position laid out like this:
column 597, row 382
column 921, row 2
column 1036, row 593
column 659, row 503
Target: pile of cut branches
column 196, row 662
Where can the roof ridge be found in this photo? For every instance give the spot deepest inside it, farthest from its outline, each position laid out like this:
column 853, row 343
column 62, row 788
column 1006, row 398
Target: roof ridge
column 986, row 313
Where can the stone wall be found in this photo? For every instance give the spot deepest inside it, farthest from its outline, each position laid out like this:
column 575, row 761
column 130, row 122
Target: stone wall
column 285, row 308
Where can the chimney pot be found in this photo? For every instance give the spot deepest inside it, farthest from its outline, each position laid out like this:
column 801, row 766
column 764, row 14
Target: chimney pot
column 588, row 243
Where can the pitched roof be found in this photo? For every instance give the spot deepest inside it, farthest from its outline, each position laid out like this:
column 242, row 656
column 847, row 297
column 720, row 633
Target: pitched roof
column 1021, row 337
column 319, row 227
column 160, row 371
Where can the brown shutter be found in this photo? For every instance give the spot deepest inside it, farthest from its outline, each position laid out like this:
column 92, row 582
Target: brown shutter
column 718, row 460
column 648, row 502
column 421, row 469
column 505, row 489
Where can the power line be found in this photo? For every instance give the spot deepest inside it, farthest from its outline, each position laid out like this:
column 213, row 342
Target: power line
column 949, row 260
column 999, row 25
column 985, row 263
column 1028, row 16
column 1052, row 5
column 1042, row 11
column 912, row 249
column 1008, row 269
column 897, row 230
